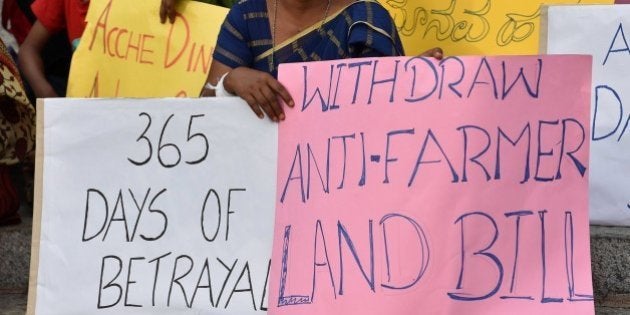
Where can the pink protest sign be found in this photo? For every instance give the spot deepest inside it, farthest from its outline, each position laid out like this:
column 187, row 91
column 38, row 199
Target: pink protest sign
column 410, row 185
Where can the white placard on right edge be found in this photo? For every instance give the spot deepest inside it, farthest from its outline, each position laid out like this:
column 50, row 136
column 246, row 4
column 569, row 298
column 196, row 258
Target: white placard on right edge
column 604, row 32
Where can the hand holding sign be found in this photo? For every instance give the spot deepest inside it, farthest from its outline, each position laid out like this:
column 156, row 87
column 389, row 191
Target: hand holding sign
column 167, row 10
column 260, row 90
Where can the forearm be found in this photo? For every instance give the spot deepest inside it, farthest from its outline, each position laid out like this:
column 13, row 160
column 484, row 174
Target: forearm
column 32, row 67
column 217, row 70
column 31, row 63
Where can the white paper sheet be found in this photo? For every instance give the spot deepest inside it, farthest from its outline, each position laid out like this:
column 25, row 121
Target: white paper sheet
column 165, row 261
column 602, row 31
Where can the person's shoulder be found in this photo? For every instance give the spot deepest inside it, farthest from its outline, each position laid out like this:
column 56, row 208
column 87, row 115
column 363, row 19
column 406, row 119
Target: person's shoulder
column 370, row 11
column 244, row 8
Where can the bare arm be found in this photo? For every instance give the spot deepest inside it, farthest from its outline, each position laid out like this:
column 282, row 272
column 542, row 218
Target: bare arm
column 217, row 70
column 30, row 61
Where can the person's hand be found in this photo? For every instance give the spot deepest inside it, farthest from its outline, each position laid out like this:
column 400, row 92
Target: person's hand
column 167, row 9
column 260, row 90
column 435, row 52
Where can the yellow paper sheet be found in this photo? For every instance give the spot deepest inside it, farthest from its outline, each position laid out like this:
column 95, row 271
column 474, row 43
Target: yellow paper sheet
column 471, row 27
column 126, row 52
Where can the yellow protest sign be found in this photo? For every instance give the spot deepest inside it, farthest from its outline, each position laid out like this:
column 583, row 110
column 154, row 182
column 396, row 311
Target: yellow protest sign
column 126, row 52
column 471, row 27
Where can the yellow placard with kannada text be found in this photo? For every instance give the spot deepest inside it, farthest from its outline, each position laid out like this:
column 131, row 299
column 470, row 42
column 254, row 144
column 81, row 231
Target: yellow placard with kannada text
column 471, row 27
column 126, row 52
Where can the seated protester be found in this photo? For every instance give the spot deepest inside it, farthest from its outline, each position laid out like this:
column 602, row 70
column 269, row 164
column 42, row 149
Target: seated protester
column 258, row 35
column 53, row 16
column 17, row 136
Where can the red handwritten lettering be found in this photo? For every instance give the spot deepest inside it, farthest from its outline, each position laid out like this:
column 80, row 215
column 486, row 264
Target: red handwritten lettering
column 170, row 62
column 102, row 23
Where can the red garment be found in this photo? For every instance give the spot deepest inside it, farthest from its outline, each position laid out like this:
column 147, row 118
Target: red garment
column 14, row 20
column 57, row 15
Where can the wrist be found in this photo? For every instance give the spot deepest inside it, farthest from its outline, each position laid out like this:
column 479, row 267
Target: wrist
column 218, row 89
column 227, row 83
column 44, row 90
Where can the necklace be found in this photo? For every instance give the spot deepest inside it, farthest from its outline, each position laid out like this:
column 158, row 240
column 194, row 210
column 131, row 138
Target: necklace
column 273, row 35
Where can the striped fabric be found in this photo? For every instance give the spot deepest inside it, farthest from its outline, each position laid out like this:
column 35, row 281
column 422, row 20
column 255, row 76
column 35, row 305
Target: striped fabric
column 362, row 29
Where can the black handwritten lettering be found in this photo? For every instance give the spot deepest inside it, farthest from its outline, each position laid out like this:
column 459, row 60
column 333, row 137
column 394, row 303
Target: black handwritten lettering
column 249, row 288
column 517, row 28
column 111, row 283
column 169, row 154
column 179, row 277
column 122, row 210
column 157, row 272
column 129, row 282
column 88, row 204
column 205, row 271
column 184, row 276
column 442, row 23
column 228, row 212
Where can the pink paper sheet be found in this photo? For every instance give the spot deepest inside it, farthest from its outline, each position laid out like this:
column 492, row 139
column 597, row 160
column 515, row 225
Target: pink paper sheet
column 412, row 186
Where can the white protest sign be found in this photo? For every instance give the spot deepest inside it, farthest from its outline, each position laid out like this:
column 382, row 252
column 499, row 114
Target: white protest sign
column 154, row 206
column 600, row 30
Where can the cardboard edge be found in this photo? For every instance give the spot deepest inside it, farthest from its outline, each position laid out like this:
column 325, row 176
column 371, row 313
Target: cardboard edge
column 544, row 29
column 37, row 208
